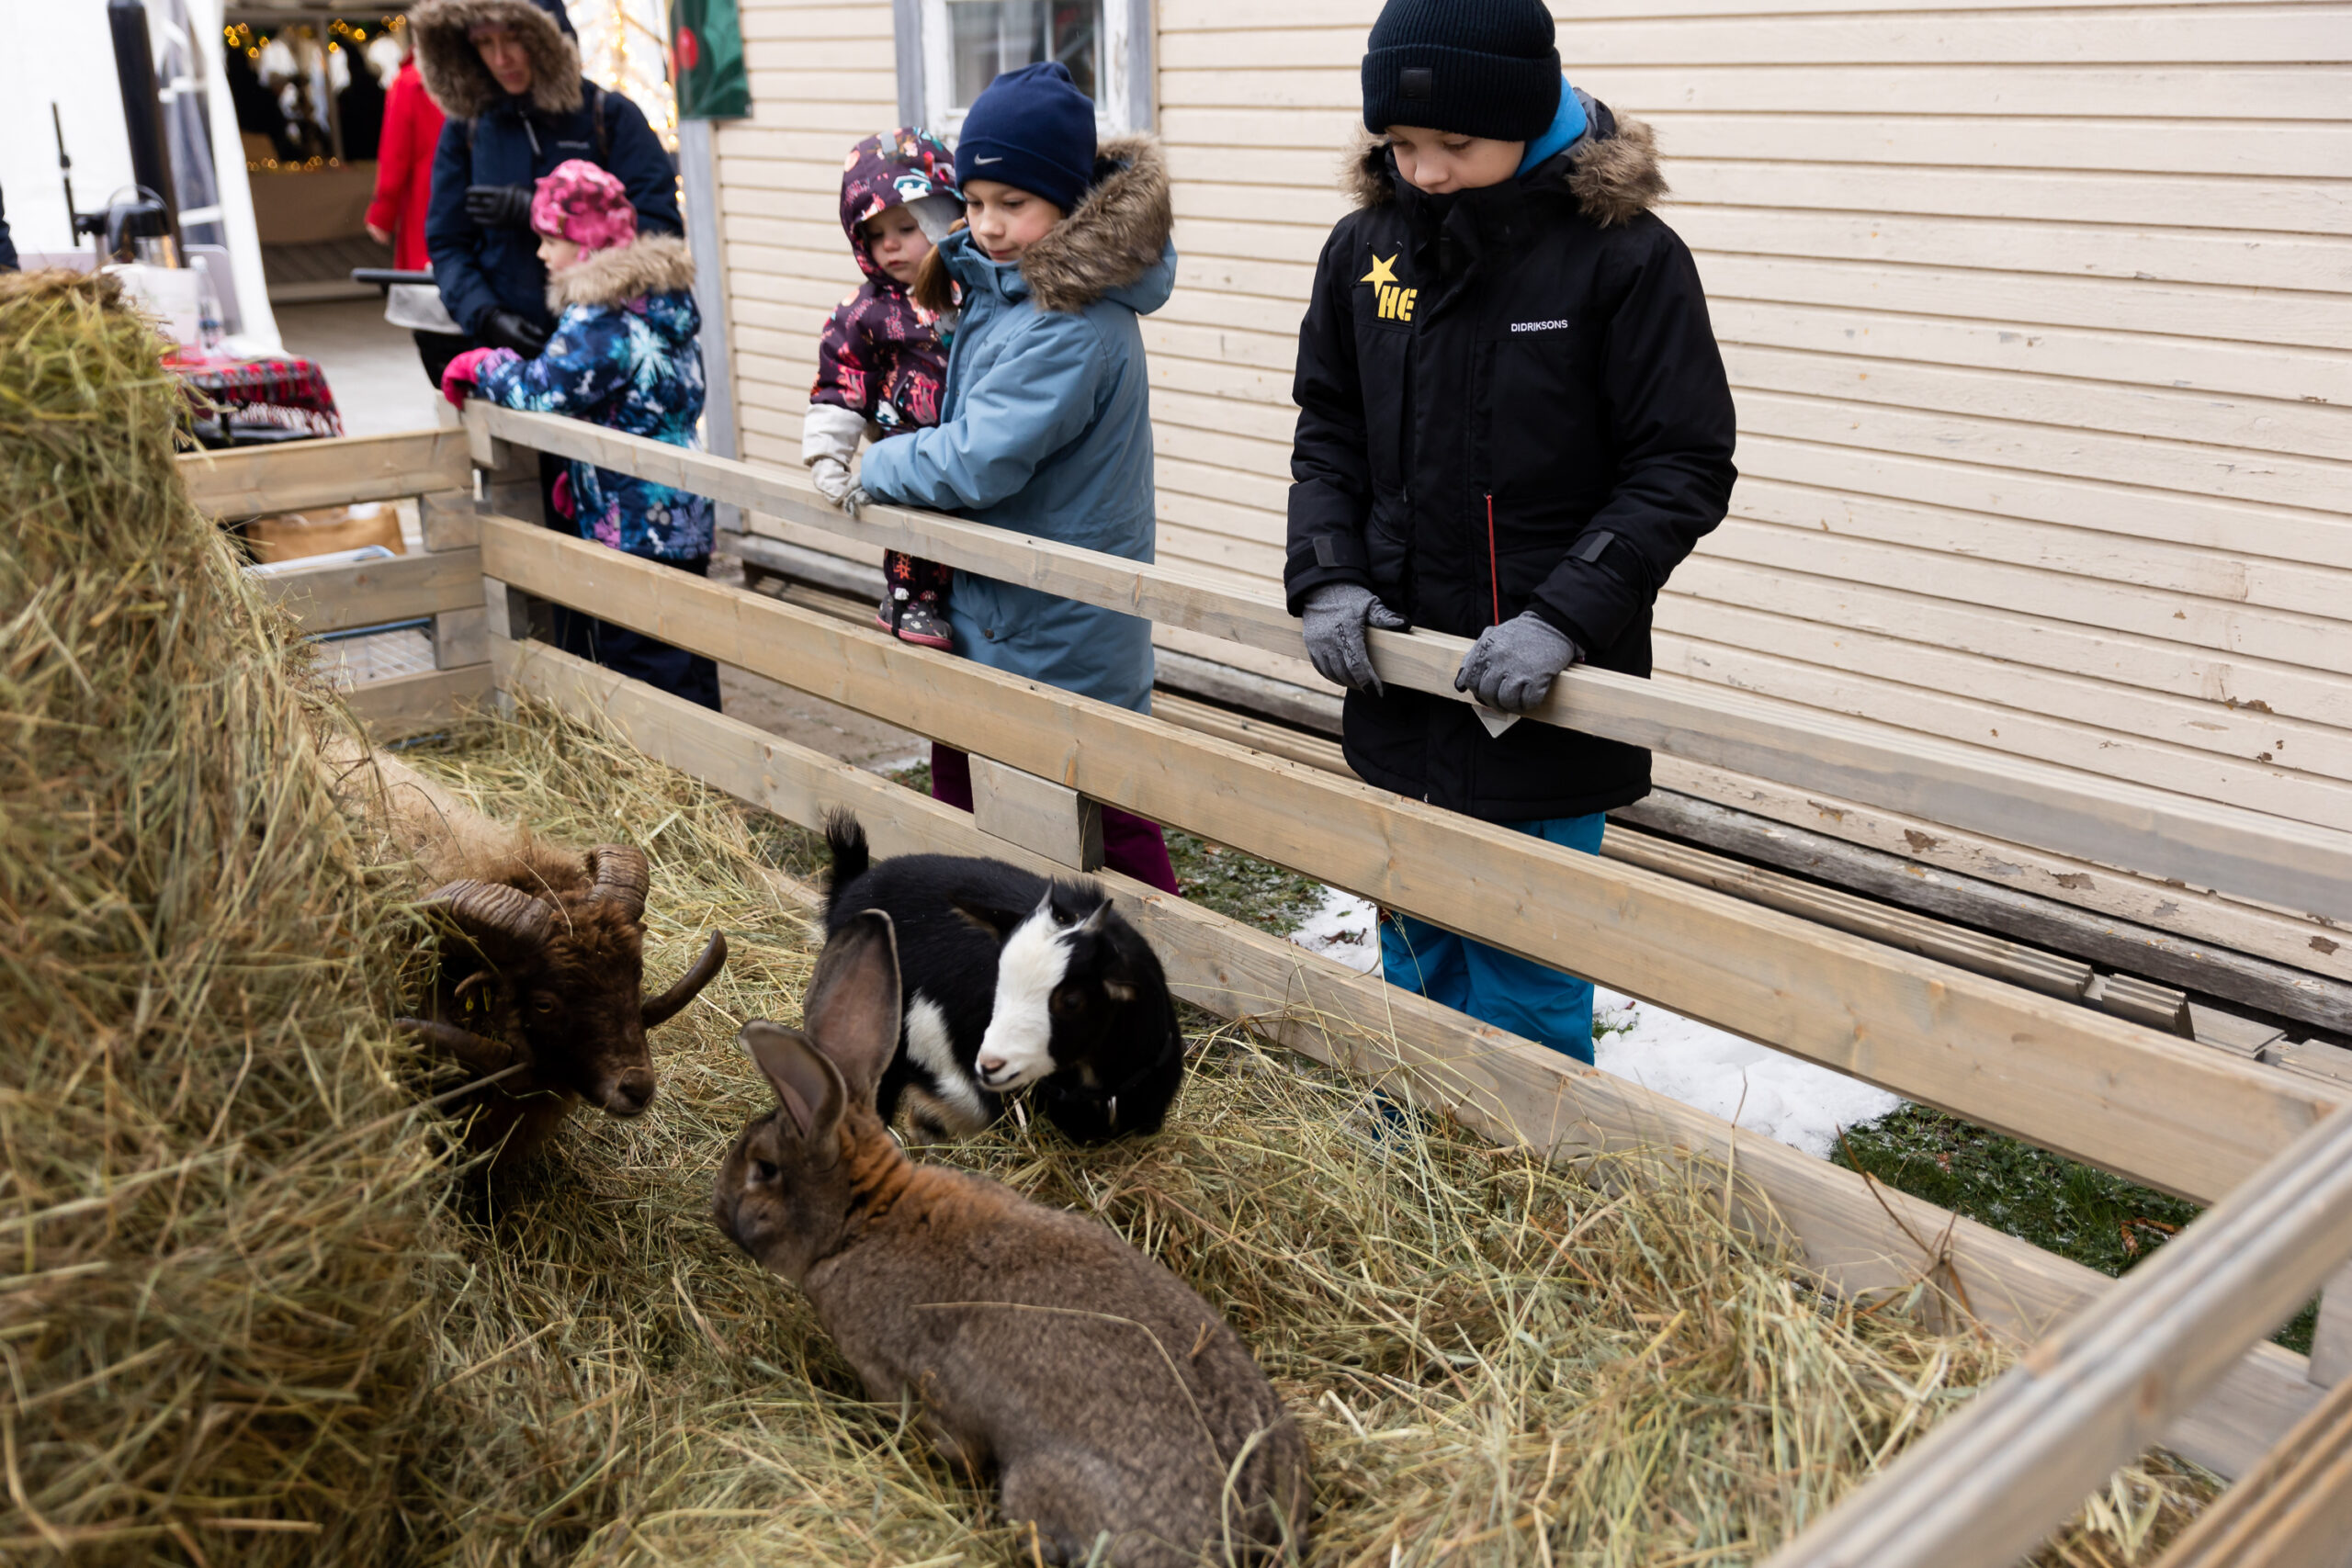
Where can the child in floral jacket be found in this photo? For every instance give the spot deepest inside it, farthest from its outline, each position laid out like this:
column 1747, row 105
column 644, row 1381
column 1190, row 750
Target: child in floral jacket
column 882, row 360
column 622, row 355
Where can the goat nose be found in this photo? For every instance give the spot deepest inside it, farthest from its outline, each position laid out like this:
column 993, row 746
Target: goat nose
column 989, row 1066
column 631, row 1093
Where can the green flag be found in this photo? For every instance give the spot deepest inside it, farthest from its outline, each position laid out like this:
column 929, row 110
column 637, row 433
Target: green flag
column 707, row 45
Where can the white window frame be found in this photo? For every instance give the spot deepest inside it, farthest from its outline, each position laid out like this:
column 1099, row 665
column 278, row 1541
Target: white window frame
column 927, row 67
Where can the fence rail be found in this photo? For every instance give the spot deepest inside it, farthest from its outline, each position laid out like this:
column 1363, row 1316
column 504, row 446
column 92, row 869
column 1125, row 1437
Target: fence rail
column 2293, row 865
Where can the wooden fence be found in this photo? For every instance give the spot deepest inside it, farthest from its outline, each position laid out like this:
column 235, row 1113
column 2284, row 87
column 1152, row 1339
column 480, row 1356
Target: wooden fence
column 2175, row 1353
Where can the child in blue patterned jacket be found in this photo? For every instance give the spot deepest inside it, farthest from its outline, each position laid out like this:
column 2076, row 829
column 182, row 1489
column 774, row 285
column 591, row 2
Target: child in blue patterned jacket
column 623, row 355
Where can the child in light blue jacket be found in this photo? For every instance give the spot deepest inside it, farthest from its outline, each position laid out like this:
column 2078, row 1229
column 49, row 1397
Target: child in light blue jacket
column 1045, row 427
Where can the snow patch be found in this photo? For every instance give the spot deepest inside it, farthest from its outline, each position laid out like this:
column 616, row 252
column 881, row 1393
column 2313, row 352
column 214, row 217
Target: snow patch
column 1345, row 928
column 1764, row 1090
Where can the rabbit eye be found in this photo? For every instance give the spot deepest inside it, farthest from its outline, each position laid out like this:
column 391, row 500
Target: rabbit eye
column 764, row 1173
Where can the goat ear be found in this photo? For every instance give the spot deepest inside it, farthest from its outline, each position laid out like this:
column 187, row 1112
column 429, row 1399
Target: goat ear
column 809, row 1086
column 851, row 1008
column 998, row 923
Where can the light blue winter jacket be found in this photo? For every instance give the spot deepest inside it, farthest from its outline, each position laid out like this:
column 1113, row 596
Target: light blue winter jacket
column 1045, row 427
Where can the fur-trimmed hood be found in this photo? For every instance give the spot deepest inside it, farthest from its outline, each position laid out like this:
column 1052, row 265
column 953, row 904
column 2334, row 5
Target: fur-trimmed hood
column 453, row 70
column 653, row 264
column 1611, row 170
column 1117, row 235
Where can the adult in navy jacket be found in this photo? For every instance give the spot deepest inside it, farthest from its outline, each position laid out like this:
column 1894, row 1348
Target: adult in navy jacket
column 506, row 73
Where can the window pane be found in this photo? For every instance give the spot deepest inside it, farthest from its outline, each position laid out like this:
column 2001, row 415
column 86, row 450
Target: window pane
column 990, row 37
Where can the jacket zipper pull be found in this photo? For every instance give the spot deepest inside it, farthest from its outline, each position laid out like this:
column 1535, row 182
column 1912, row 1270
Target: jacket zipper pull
column 1494, row 563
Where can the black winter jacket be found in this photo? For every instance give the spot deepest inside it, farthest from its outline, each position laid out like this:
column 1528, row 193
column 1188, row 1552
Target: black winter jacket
column 1510, row 399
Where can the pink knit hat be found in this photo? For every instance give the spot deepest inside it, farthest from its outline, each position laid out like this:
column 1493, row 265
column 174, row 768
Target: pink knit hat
column 580, row 202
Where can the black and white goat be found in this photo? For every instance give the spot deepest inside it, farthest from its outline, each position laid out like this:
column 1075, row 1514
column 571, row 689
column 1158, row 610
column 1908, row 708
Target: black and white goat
column 1012, row 982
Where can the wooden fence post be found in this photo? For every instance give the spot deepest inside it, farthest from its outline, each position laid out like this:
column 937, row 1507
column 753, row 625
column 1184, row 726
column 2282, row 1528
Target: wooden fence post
column 1039, row 815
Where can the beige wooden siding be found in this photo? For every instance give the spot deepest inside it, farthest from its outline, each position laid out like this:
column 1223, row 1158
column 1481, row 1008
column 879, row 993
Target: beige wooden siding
column 2040, row 324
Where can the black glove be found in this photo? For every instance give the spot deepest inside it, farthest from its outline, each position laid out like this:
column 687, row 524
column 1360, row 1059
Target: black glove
column 499, row 206
column 506, row 329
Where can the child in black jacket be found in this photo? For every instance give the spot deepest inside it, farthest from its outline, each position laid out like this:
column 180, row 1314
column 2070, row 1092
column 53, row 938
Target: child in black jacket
column 1513, row 424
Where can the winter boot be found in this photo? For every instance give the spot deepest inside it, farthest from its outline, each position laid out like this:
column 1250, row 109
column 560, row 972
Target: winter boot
column 924, row 622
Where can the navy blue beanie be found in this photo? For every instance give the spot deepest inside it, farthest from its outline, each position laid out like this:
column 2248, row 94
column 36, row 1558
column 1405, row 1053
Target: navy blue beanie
column 1034, row 131
column 1474, row 67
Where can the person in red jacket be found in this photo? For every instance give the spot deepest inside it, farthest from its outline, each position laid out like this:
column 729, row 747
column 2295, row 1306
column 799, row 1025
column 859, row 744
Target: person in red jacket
column 403, row 190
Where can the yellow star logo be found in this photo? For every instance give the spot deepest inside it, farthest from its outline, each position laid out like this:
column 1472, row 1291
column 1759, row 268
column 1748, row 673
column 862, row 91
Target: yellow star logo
column 1382, row 271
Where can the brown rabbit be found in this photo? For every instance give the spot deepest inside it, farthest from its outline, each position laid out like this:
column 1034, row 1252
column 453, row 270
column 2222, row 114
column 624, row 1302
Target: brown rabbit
column 1110, row 1398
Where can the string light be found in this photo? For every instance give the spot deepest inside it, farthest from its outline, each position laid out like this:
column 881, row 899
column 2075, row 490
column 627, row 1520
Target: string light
column 624, row 48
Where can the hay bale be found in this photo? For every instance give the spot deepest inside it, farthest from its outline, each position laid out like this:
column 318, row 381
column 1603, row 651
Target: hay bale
column 1498, row 1361
column 214, row 1193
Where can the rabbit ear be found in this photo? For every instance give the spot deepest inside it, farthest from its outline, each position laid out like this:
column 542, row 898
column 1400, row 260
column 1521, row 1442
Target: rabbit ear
column 809, row 1088
column 851, row 1010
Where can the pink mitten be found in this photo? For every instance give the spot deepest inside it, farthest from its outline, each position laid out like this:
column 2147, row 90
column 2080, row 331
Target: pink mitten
column 560, row 494
column 465, row 369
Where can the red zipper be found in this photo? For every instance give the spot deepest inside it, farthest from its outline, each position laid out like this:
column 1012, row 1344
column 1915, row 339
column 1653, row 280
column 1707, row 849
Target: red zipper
column 1494, row 566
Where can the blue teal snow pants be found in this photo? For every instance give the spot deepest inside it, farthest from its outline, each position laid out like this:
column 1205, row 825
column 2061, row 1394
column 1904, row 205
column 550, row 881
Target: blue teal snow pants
column 1488, row 984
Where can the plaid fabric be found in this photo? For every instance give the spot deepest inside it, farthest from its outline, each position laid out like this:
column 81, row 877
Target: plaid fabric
column 289, row 392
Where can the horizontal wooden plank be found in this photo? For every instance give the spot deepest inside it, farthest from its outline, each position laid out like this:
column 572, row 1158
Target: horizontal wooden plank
column 2155, row 36
column 2261, row 379
column 1830, row 671
column 2249, row 34
column 2224, row 525
column 2277, row 610
column 2322, row 263
column 2147, row 413
column 2048, row 619
column 2294, row 1510
column 2309, row 484
column 2172, row 1113
column 1982, row 1488
column 1858, row 1238
column 2154, row 145
column 2086, row 676
column 2291, row 864
column 340, row 472
column 334, row 599
column 412, row 704
column 1921, row 284
column 2212, row 91
column 1932, row 887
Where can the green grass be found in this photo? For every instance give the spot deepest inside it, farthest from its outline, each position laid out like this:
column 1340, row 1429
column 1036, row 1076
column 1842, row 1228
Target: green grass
column 1240, row 886
column 2059, row 1206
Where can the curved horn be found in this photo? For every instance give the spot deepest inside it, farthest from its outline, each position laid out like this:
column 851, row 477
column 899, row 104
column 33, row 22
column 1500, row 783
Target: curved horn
column 474, row 1052
column 619, row 873
column 666, row 1005
column 494, row 912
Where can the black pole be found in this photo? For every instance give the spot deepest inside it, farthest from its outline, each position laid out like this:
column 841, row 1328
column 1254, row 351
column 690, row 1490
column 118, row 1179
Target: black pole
column 134, row 68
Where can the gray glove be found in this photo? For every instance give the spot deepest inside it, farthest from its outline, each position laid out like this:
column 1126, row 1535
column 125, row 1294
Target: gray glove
column 1336, row 614
column 830, row 476
column 855, row 501
column 1511, row 665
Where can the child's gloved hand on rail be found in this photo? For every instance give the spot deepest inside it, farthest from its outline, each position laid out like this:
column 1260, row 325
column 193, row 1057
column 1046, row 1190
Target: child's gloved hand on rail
column 1510, row 668
column 458, row 380
column 1335, row 617
column 832, row 477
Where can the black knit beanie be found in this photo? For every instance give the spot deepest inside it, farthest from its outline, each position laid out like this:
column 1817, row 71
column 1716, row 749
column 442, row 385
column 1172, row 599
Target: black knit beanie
column 1473, row 67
